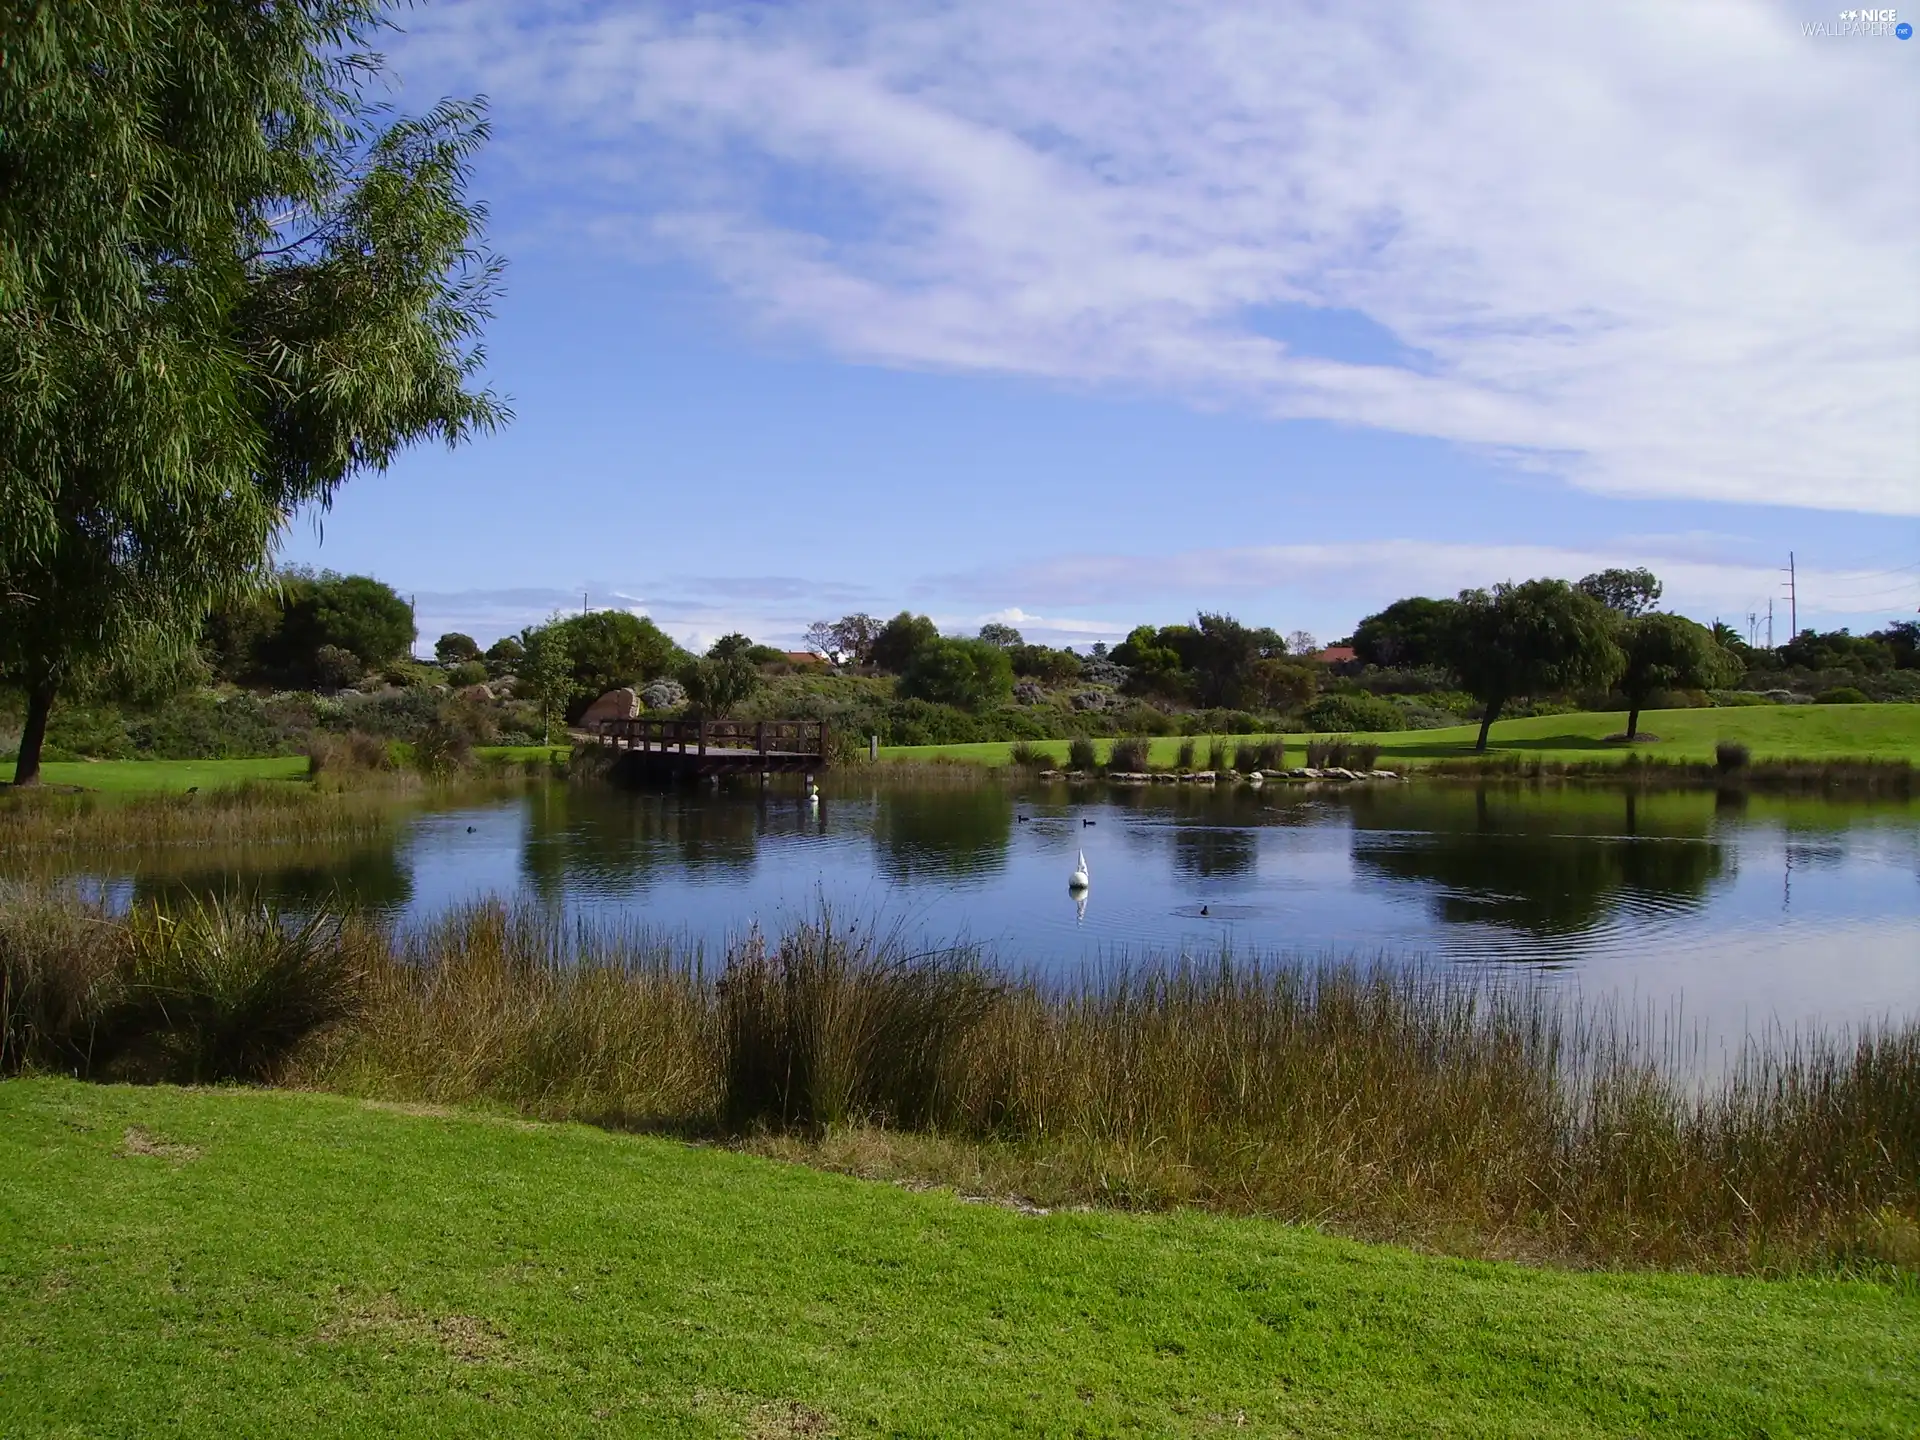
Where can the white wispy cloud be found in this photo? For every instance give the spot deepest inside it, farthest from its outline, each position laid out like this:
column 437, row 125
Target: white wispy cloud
column 1657, row 249
column 1700, row 577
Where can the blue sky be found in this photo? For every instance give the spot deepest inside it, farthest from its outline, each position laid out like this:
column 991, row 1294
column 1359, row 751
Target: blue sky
column 1085, row 316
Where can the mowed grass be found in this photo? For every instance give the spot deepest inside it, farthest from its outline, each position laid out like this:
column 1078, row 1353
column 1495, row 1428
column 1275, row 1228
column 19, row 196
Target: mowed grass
column 131, row 777
column 1771, row 732
column 159, row 777
column 272, row 1263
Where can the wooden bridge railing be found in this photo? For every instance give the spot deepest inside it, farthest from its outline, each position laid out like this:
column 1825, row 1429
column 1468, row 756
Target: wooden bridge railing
column 787, row 739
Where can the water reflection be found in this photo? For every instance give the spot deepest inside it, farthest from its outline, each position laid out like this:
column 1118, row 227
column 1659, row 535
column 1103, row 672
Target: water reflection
column 1215, row 851
column 942, row 834
column 1602, row 879
column 577, row 835
column 370, row 875
column 1514, row 860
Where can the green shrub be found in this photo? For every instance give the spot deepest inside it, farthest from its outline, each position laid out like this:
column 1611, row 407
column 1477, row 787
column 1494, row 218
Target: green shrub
column 336, row 668
column 1841, row 695
column 921, row 722
column 1140, row 719
column 1355, row 712
column 1217, row 755
column 1184, row 760
column 1081, row 755
column 1025, row 755
column 972, row 674
column 1221, row 722
column 95, row 732
column 208, row 727
column 468, row 672
column 1128, row 755
column 1731, row 755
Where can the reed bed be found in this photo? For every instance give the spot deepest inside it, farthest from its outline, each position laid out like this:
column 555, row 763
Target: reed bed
column 1731, row 769
column 277, row 811
column 1382, row 1101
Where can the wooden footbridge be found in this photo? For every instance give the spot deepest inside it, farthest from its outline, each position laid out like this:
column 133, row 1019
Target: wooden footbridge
column 662, row 751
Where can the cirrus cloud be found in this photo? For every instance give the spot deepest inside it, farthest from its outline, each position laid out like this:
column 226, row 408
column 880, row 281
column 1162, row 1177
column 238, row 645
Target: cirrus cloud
column 1653, row 249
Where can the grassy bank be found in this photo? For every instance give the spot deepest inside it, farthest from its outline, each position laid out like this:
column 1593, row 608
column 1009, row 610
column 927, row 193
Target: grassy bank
column 1770, row 732
column 163, row 777
column 213, row 1263
column 1386, row 1104
column 129, row 777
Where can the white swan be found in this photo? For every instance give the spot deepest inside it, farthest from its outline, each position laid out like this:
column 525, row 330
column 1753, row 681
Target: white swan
column 1078, row 880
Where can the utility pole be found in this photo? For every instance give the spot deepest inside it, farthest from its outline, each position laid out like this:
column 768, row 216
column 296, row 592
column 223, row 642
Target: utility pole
column 1769, row 622
column 1793, row 595
column 583, row 602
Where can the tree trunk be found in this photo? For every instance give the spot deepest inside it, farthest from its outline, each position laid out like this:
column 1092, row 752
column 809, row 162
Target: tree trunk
column 26, row 770
column 1633, row 722
column 1491, row 714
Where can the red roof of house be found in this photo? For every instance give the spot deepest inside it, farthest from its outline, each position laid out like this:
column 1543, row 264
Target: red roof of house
column 802, row 657
column 1336, row 655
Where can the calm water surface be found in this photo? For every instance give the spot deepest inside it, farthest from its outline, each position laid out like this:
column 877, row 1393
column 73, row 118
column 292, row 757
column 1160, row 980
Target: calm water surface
column 1745, row 910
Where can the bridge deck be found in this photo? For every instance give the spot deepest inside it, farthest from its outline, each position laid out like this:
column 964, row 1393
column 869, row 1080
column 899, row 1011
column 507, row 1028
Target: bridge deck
column 655, row 750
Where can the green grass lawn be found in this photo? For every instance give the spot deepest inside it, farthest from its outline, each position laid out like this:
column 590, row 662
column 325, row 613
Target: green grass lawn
column 129, row 777
column 1772, row 732
column 253, row 1263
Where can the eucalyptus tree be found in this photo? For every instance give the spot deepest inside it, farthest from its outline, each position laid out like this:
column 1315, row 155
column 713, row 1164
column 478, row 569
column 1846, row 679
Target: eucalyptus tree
column 1529, row 639
column 229, row 281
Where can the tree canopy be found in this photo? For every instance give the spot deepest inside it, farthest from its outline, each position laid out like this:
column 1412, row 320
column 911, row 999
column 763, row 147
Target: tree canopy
column 278, row 635
column 1625, row 592
column 1529, row 639
column 228, row 283
column 1408, row 633
column 900, row 639
column 972, row 674
column 1668, row 652
column 454, row 647
column 607, row 649
column 846, row 641
column 720, row 680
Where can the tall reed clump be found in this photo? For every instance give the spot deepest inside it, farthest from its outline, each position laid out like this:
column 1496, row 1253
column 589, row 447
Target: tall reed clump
column 1183, row 762
column 517, row 1004
column 829, row 1026
column 1217, row 755
column 353, row 753
column 1128, row 755
column 1081, row 755
column 1025, row 755
column 1342, row 752
column 221, row 989
column 1252, row 755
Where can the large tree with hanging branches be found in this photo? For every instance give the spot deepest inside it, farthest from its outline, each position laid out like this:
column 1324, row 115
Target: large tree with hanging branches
column 229, row 281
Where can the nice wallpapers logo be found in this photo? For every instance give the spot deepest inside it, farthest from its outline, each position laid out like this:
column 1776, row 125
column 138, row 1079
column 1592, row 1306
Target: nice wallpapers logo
column 1860, row 25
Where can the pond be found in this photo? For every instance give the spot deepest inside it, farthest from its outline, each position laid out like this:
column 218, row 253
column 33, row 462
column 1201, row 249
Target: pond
column 1748, row 910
